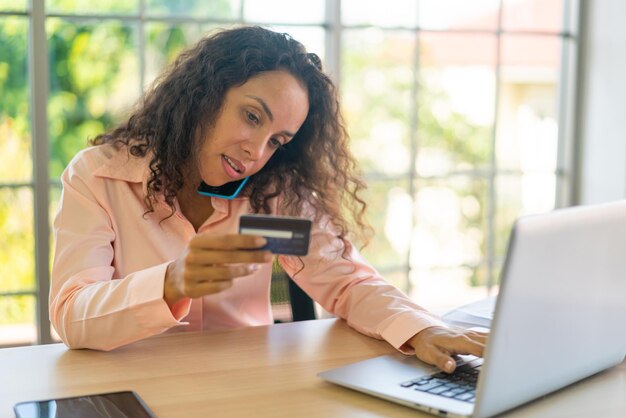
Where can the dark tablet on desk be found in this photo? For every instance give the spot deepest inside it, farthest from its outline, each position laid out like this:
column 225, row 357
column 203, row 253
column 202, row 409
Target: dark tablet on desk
column 125, row 404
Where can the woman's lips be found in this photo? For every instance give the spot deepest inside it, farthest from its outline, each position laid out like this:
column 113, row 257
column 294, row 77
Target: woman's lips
column 233, row 168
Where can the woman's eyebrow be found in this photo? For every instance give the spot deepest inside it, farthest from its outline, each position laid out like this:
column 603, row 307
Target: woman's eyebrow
column 264, row 105
column 267, row 110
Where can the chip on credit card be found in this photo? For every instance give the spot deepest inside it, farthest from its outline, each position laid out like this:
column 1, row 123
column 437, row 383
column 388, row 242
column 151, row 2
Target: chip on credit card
column 286, row 235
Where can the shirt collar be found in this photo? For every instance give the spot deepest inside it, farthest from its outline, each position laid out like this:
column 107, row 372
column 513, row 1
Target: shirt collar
column 121, row 165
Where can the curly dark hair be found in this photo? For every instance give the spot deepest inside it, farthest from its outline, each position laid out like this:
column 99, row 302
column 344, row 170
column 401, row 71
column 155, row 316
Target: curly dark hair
column 316, row 167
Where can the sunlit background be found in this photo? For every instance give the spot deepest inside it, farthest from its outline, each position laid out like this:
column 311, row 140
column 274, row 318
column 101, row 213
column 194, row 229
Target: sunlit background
column 456, row 109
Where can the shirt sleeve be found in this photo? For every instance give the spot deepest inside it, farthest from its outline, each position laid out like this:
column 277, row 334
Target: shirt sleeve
column 336, row 276
column 89, row 307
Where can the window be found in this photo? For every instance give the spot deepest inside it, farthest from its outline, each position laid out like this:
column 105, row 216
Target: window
column 457, row 111
column 458, row 114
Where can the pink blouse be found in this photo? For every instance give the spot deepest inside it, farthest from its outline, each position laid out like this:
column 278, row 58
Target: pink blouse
column 110, row 261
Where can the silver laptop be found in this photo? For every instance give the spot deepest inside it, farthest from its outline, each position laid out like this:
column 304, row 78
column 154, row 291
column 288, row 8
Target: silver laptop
column 562, row 286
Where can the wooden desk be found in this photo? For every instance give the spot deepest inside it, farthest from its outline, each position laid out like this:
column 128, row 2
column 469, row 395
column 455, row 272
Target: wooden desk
column 254, row 372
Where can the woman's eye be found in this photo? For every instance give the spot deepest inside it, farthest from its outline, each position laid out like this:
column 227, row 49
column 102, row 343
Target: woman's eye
column 252, row 118
column 275, row 143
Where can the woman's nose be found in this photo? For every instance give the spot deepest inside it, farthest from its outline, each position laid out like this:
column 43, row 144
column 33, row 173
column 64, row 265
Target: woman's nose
column 254, row 147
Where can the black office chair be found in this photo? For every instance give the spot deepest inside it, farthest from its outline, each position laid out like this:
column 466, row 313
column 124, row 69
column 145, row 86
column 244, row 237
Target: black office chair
column 289, row 302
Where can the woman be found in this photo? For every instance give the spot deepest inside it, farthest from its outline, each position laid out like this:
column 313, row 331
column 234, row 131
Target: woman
column 139, row 251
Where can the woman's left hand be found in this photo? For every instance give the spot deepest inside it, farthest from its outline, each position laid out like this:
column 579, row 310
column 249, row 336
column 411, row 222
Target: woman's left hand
column 436, row 345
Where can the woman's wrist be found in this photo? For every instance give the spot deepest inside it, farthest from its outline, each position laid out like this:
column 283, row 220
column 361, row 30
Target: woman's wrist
column 171, row 295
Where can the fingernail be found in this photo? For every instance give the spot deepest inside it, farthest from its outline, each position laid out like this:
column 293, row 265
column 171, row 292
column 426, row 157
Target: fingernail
column 254, row 267
column 449, row 366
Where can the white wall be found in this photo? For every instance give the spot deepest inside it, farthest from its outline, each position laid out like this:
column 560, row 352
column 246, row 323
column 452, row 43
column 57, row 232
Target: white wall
column 603, row 102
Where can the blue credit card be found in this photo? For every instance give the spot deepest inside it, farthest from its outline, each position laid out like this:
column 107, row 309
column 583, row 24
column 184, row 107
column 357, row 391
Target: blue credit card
column 286, row 235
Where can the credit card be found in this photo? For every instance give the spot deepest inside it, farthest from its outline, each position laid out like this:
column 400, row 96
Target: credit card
column 286, row 235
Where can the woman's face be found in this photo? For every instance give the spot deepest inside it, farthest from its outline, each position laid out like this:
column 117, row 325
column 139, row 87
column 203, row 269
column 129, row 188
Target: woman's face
column 256, row 119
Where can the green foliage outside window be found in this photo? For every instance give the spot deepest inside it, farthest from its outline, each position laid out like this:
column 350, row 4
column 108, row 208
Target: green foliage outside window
column 16, row 242
column 93, row 81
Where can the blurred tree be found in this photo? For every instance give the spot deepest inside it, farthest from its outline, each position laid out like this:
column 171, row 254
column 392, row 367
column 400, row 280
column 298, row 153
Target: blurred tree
column 93, row 82
column 16, row 244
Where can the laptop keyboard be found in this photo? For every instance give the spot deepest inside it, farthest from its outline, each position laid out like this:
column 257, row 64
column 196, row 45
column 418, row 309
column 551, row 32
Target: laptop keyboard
column 460, row 385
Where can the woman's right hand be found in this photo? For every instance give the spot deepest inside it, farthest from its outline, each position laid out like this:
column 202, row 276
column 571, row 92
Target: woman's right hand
column 210, row 263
